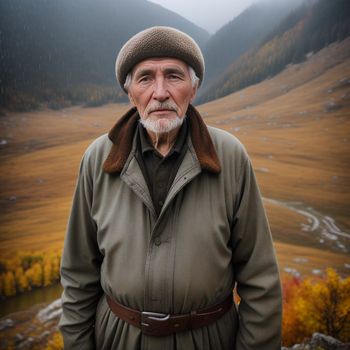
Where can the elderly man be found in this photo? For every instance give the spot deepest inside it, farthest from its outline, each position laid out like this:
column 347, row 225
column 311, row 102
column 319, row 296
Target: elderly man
column 166, row 219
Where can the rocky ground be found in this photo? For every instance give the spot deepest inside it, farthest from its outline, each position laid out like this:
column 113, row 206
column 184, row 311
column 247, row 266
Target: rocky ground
column 320, row 342
column 17, row 332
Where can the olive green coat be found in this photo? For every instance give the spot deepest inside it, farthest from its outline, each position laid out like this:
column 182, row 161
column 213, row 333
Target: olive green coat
column 212, row 232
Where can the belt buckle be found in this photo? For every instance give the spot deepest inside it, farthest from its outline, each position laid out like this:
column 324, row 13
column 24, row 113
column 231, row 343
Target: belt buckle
column 151, row 319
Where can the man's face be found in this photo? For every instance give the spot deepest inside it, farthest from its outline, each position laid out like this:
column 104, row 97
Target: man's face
column 161, row 89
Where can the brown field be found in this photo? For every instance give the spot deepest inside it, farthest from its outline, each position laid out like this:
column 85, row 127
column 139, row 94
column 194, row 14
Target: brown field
column 295, row 127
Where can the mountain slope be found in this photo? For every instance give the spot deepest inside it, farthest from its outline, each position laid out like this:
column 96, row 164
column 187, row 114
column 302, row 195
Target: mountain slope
column 308, row 29
column 295, row 127
column 241, row 34
column 60, row 44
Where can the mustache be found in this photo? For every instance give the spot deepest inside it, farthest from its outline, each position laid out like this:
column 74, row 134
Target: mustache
column 162, row 105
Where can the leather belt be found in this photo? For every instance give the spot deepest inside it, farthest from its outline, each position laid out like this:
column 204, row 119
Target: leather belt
column 162, row 324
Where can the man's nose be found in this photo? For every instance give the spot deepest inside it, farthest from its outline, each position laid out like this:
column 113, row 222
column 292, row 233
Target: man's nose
column 160, row 92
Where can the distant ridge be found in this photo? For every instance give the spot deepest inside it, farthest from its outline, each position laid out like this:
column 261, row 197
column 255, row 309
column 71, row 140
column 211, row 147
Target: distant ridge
column 65, row 50
column 308, row 29
column 242, row 34
column 60, row 53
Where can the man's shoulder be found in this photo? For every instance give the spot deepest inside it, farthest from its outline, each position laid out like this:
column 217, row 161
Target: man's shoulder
column 100, row 143
column 98, row 148
column 226, row 142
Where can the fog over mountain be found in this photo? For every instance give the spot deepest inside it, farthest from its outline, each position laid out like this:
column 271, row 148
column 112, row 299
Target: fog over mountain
column 59, row 53
column 212, row 15
column 62, row 43
column 241, row 34
column 306, row 30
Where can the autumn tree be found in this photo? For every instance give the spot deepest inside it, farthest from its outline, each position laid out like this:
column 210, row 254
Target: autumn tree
column 21, row 280
column 316, row 305
column 9, row 286
column 25, row 270
column 327, row 306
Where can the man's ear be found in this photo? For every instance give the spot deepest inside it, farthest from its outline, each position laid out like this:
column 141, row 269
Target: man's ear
column 131, row 99
column 193, row 93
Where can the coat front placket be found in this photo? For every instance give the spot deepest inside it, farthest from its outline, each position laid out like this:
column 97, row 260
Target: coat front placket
column 160, row 258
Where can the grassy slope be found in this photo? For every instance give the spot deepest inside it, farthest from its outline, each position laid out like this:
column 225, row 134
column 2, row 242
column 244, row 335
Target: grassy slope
column 39, row 167
column 299, row 146
column 299, row 151
column 302, row 145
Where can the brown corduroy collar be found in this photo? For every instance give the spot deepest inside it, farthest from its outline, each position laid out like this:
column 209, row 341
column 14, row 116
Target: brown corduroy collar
column 122, row 135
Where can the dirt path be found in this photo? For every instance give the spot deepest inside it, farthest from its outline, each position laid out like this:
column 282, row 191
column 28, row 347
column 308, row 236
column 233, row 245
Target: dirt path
column 322, row 227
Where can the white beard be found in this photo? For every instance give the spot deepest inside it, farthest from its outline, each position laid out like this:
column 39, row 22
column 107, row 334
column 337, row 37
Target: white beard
column 162, row 125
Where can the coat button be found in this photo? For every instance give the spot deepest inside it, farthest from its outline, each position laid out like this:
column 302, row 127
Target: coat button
column 157, row 241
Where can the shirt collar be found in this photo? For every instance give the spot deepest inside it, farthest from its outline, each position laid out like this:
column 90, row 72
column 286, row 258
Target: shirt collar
column 122, row 136
column 146, row 145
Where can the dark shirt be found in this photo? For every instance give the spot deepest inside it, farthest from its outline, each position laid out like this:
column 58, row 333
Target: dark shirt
column 158, row 171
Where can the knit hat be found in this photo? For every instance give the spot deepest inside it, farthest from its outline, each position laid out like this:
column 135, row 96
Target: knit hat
column 158, row 42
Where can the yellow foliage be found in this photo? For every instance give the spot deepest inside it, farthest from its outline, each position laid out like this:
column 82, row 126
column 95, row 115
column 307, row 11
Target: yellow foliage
column 21, row 279
column 55, row 343
column 26, row 270
column 47, row 272
column 9, row 286
column 56, row 266
column 23, row 284
column 37, row 275
column 316, row 305
column 30, row 275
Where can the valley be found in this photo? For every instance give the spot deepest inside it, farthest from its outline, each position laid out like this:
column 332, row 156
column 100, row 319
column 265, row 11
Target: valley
column 295, row 127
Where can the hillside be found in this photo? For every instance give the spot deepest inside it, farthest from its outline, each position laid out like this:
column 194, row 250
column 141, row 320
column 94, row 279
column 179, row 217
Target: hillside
column 62, row 52
column 305, row 31
column 242, row 34
column 295, row 127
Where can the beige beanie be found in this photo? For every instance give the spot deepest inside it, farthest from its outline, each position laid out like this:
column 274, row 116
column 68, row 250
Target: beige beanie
column 158, row 42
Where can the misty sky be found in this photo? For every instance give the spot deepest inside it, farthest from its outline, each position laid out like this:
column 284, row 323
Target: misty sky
column 211, row 15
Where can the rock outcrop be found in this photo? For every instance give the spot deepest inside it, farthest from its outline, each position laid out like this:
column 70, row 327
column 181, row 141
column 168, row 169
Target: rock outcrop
column 321, row 342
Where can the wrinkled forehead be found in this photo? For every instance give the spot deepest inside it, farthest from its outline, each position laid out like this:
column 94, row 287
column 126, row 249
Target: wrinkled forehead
column 160, row 63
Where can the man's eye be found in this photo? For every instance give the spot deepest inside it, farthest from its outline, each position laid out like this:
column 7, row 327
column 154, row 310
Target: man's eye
column 144, row 79
column 173, row 77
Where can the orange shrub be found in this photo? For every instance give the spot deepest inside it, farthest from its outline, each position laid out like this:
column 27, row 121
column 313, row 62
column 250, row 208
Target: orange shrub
column 316, row 305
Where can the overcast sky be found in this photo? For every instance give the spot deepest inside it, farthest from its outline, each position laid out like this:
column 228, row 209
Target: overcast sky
column 211, row 15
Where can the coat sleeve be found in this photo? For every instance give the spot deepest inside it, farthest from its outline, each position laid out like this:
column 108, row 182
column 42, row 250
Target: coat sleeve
column 80, row 268
column 256, row 270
